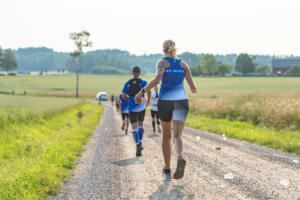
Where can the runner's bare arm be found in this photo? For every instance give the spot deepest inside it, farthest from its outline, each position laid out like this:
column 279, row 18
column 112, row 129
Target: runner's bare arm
column 148, row 97
column 188, row 76
column 160, row 69
column 124, row 96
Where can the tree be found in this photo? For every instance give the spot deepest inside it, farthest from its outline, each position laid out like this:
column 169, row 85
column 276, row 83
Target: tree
column 208, row 64
column 244, row 64
column 294, row 71
column 9, row 60
column 196, row 71
column 81, row 40
column 263, row 69
column 1, row 56
column 223, row 68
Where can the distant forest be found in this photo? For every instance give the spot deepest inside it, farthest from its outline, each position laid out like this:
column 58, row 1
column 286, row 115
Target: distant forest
column 108, row 61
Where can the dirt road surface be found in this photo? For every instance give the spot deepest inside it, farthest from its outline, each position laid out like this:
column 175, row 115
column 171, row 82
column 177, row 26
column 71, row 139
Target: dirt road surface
column 109, row 169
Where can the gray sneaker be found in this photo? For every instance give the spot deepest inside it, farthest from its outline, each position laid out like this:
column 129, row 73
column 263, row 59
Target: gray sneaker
column 158, row 128
column 167, row 174
column 180, row 168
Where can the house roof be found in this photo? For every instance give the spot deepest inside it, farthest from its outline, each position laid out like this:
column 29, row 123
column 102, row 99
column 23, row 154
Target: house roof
column 285, row 63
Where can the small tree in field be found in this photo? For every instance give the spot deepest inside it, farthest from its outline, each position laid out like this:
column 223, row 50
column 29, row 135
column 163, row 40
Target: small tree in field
column 223, row 68
column 81, row 40
column 264, row 69
column 244, row 64
column 294, row 71
column 1, row 57
column 9, row 61
column 208, row 64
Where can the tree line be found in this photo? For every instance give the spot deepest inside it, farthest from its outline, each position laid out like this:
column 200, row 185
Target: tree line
column 115, row 61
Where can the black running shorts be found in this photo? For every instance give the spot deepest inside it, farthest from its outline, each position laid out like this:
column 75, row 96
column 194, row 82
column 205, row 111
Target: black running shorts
column 176, row 110
column 125, row 115
column 154, row 114
column 136, row 116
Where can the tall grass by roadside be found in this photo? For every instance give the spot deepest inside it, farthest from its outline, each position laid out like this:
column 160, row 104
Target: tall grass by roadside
column 264, row 109
column 36, row 155
column 283, row 140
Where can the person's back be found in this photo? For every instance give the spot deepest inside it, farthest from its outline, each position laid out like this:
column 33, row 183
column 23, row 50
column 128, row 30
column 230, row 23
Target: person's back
column 136, row 110
column 172, row 86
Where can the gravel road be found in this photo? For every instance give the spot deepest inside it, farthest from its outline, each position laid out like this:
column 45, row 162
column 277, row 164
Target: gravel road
column 108, row 169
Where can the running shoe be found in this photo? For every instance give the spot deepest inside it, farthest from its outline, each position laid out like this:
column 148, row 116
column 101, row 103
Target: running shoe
column 123, row 126
column 180, row 168
column 167, row 174
column 126, row 132
column 138, row 150
column 158, row 128
column 142, row 145
column 154, row 133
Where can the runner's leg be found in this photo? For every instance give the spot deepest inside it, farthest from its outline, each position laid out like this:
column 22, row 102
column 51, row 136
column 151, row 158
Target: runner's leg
column 157, row 122
column 123, row 121
column 166, row 142
column 177, row 133
column 141, row 117
column 127, row 122
column 153, row 120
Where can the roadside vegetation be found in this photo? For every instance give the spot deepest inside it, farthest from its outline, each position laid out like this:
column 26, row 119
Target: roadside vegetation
column 37, row 149
column 283, row 140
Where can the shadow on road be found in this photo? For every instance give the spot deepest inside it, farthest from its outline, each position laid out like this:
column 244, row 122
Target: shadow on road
column 152, row 136
column 175, row 193
column 129, row 161
column 121, row 135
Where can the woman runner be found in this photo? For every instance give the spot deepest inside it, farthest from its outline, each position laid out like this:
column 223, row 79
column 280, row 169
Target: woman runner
column 154, row 110
column 172, row 104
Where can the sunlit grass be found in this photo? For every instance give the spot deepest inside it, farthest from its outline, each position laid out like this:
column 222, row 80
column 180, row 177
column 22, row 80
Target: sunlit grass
column 282, row 140
column 36, row 156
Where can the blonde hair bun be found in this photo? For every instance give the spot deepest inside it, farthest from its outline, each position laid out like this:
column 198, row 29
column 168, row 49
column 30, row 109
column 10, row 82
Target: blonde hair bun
column 170, row 48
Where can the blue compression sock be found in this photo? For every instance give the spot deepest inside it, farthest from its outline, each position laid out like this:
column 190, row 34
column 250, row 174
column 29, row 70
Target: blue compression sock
column 135, row 135
column 141, row 133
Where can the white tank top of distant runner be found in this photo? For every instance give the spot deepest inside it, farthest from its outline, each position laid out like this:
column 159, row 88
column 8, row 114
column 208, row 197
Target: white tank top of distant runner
column 154, row 101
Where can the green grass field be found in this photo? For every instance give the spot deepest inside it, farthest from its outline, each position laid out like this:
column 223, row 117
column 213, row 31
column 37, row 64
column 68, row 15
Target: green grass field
column 271, row 102
column 36, row 156
column 35, row 104
column 91, row 84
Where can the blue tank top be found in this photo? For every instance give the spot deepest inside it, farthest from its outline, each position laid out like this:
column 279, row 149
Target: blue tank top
column 172, row 86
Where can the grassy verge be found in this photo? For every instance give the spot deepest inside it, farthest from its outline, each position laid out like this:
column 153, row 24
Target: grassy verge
column 282, row 140
column 36, row 156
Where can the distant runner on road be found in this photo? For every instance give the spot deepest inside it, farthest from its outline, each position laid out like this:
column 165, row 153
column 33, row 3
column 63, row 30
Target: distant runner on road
column 112, row 98
column 154, row 110
column 125, row 113
column 172, row 104
column 136, row 111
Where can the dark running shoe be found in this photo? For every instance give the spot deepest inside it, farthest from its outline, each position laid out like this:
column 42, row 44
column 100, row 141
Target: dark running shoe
column 126, row 132
column 180, row 168
column 141, row 144
column 167, row 174
column 138, row 150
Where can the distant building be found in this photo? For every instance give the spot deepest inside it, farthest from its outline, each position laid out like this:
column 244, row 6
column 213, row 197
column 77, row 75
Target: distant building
column 280, row 66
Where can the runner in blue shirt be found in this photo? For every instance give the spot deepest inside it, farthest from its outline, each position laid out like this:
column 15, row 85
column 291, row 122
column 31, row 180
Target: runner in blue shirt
column 136, row 111
column 125, row 113
column 172, row 104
